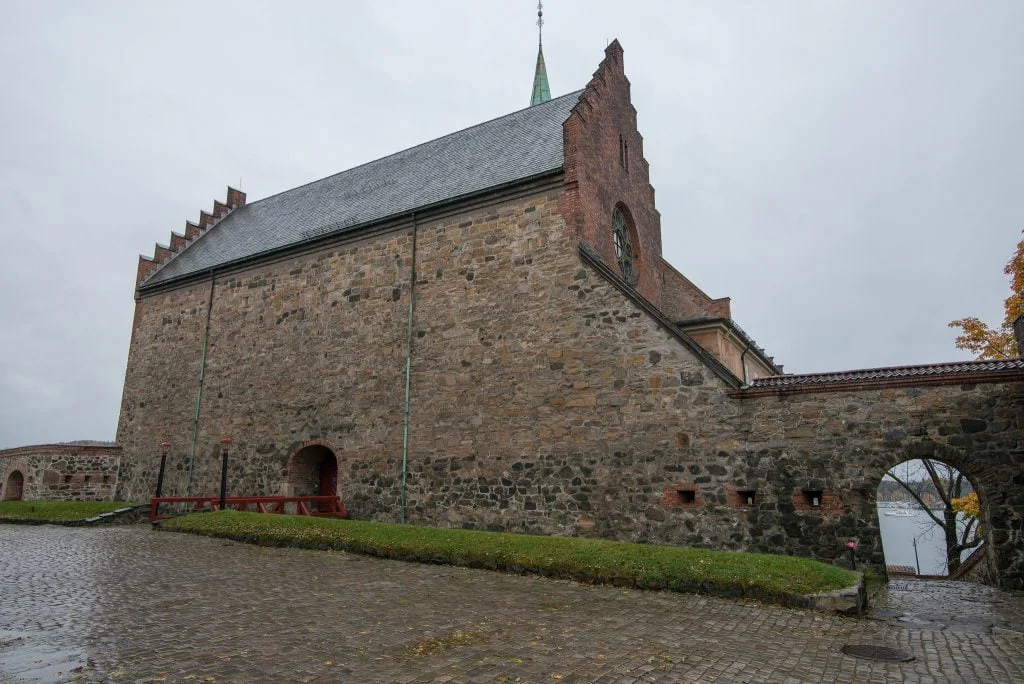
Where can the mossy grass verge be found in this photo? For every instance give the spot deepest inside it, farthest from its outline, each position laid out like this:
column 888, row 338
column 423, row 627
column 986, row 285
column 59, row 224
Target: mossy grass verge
column 55, row 511
column 777, row 579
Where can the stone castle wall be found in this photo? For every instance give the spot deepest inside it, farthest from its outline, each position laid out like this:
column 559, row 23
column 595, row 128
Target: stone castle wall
column 302, row 348
column 522, row 358
column 61, row 472
column 842, row 442
column 546, row 396
column 543, row 399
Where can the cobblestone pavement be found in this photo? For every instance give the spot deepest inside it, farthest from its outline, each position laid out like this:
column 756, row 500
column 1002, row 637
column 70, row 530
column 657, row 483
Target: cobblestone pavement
column 950, row 606
column 129, row 604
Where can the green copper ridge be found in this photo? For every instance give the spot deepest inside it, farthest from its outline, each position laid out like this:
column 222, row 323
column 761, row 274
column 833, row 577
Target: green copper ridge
column 541, row 90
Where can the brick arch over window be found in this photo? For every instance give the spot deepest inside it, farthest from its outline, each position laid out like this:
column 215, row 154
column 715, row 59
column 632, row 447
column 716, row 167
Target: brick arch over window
column 626, row 243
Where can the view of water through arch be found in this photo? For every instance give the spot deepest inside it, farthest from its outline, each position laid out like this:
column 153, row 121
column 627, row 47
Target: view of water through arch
column 899, row 534
column 910, row 498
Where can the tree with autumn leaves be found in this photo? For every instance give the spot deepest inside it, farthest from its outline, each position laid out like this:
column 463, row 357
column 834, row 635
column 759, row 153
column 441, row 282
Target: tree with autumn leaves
column 957, row 514
column 996, row 343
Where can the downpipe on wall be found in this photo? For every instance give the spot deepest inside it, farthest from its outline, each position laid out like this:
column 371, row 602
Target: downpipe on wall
column 199, row 393
column 743, row 365
column 408, row 370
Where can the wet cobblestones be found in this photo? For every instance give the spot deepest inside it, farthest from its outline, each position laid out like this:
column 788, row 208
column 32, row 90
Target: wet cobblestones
column 950, row 606
column 128, row 604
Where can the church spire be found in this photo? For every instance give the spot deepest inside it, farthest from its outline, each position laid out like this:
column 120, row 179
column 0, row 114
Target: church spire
column 541, row 91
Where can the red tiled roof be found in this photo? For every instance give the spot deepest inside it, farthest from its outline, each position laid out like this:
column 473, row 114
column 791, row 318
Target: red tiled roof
column 892, row 373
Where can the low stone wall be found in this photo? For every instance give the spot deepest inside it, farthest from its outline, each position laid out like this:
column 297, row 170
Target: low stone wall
column 68, row 472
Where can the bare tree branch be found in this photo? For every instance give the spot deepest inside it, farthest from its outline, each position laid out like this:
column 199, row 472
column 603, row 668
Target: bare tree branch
column 948, row 483
column 971, row 520
column 916, row 498
column 937, row 481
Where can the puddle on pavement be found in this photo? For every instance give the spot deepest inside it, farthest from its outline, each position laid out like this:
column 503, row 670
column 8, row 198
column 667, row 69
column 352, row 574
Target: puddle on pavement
column 27, row 661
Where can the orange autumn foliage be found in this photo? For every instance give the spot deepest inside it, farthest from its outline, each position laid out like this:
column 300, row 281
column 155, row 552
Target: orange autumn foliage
column 967, row 505
column 996, row 343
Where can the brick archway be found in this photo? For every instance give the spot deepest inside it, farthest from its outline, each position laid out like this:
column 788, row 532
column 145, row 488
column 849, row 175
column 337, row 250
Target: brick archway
column 14, row 487
column 313, row 470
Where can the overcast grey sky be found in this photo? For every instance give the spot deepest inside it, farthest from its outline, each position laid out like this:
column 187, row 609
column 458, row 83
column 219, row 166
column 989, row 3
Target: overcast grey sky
column 850, row 173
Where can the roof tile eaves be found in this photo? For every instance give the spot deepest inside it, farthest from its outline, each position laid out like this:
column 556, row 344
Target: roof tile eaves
column 949, row 370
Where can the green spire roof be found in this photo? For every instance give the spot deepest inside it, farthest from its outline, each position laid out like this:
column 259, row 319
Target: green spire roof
column 541, row 91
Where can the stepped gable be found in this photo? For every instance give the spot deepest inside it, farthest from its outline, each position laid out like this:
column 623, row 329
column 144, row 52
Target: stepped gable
column 162, row 254
column 512, row 148
column 893, row 373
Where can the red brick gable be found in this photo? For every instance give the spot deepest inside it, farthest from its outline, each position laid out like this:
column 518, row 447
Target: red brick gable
column 605, row 168
column 601, row 172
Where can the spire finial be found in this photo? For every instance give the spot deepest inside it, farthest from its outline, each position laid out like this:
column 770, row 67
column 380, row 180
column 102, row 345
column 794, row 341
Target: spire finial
column 541, row 90
column 540, row 24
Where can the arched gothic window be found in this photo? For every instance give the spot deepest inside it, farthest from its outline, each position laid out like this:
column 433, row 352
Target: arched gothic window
column 625, row 254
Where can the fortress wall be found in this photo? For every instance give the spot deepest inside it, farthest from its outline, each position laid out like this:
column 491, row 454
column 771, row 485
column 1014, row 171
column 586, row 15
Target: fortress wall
column 61, row 472
column 544, row 399
column 843, row 442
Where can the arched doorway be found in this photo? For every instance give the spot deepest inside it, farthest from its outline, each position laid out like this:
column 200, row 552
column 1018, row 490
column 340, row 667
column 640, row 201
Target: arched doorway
column 314, row 472
column 929, row 518
column 14, row 488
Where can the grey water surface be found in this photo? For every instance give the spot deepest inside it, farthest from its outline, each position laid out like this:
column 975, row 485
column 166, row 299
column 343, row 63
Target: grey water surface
column 899, row 533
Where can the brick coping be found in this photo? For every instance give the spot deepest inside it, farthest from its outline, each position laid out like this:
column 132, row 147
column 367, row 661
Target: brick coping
column 951, row 373
column 98, row 449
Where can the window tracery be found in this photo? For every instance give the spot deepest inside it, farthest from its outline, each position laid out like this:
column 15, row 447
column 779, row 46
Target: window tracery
column 625, row 254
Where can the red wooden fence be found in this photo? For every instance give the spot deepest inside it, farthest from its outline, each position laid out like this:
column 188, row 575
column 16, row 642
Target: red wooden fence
column 325, row 506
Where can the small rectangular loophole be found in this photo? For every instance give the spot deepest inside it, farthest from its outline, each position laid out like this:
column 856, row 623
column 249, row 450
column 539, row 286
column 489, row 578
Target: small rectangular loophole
column 812, row 497
column 746, row 497
column 687, row 496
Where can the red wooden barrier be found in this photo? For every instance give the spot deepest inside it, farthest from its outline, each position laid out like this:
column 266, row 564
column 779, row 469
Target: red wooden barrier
column 326, row 506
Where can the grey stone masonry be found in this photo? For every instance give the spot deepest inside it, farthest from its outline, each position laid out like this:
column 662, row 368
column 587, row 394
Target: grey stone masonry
column 74, row 472
column 544, row 399
column 545, row 394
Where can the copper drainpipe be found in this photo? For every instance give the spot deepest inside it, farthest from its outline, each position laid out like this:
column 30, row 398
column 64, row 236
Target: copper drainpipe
column 743, row 365
column 199, row 394
column 408, row 370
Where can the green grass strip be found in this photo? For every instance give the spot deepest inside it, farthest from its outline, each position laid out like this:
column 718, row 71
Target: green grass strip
column 56, row 511
column 778, row 579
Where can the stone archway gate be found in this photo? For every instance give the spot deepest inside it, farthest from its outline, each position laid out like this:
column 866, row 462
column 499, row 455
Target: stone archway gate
column 839, row 433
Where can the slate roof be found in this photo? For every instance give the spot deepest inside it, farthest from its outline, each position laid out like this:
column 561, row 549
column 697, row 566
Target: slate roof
column 511, row 148
column 892, row 373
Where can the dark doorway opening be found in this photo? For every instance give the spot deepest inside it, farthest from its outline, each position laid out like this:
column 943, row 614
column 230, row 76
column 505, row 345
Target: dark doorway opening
column 314, row 472
column 329, row 475
column 14, row 489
